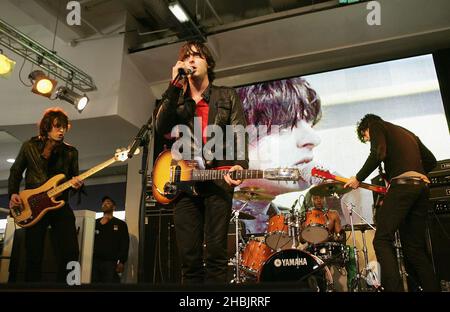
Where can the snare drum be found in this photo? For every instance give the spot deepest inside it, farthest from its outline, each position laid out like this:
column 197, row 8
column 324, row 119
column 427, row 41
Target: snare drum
column 315, row 227
column 332, row 252
column 277, row 236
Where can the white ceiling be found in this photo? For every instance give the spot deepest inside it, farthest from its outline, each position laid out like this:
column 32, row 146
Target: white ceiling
column 274, row 39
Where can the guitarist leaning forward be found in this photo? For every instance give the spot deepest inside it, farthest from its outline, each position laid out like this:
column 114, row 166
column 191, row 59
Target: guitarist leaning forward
column 43, row 157
column 406, row 161
column 206, row 215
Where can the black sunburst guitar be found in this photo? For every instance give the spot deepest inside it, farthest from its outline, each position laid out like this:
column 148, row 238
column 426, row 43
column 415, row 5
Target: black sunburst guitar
column 170, row 176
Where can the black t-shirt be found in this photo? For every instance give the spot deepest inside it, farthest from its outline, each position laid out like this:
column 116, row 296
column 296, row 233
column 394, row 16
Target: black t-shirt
column 111, row 240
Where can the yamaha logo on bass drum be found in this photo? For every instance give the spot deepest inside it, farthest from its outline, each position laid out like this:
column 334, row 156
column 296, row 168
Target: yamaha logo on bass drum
column 290, row 262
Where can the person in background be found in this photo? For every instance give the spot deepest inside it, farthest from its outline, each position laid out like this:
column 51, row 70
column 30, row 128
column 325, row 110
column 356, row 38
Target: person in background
column 337, row 233
column 110, row 246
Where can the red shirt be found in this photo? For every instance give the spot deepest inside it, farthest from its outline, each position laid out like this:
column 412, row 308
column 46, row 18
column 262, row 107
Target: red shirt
column 202, row 110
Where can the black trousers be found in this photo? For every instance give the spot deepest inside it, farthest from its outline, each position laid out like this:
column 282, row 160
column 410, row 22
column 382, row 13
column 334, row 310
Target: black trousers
column 62, row 222
column 198, row 220
column 104, row 271
column 405, row 208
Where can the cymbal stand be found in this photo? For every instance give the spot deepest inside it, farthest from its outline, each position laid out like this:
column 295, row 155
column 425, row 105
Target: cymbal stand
column 365, row 253
column 294, row 224
column 237, row 260
column 367, row 270
column 400, row 261
column 355, row 285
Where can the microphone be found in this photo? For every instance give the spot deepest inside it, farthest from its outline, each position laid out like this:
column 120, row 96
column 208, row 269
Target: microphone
column 185, row 71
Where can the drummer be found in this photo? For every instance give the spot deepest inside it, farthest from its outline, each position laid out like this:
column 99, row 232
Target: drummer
column 336, row 232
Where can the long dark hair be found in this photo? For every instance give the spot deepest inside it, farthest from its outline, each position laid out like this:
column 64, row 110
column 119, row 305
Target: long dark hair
column 50, row 115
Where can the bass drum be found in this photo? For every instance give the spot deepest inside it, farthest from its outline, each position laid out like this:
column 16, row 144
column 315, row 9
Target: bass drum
column 293, row 265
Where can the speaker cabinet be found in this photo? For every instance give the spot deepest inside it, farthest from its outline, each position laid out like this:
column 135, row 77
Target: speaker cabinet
column 161, row 256
column 439, row 243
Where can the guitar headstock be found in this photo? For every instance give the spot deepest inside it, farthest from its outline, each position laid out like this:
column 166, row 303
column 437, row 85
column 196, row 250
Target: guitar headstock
column 282, row 174
column 320, row 173
column 121, row 154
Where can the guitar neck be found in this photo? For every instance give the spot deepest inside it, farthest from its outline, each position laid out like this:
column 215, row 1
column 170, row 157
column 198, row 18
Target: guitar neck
column 64, row 186
column 371, row 187
column 205, row 175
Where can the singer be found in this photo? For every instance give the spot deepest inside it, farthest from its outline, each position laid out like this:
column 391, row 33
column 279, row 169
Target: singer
column 203, row 218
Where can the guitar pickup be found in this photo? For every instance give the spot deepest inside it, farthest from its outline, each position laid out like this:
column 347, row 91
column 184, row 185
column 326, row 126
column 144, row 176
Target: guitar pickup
column 17, row 212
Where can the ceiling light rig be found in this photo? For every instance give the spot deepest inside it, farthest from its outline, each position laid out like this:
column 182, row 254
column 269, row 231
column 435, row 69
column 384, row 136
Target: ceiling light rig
column 6, row 65
column 70, row 96
column 42, row 84
column 49, row 62
column 46, row 59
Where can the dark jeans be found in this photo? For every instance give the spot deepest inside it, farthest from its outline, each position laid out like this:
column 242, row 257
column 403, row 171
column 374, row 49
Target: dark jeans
column 104, row 271
column 62, row 222
column 199, row 220
column 405, row 208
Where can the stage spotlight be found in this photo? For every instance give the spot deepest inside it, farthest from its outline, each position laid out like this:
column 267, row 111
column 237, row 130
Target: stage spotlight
column 6, row 65
column 79, row 101
column 42, row 84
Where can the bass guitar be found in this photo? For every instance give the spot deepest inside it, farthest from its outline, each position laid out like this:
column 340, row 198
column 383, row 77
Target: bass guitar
column 38, row 201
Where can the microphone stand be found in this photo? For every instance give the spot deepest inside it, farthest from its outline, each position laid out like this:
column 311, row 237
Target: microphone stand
column 142, row 139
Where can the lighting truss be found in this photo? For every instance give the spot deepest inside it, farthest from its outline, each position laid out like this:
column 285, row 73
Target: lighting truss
column 36, row 53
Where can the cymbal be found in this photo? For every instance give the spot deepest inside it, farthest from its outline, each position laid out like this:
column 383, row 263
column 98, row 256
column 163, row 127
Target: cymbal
column 359, row 227
column 329, row 189
column 245, row 216
column 252, row 194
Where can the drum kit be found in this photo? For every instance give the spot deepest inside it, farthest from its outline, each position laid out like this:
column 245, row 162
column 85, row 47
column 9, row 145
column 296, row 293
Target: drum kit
column 280, row 254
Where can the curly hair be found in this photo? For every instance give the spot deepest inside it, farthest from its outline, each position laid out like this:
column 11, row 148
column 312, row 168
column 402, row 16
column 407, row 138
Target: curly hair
column 186, row 50
column 363, row 125
column 50, row 115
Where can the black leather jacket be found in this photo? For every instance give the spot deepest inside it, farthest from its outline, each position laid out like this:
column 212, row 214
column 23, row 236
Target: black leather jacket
column 64, row 159
column 225, row 108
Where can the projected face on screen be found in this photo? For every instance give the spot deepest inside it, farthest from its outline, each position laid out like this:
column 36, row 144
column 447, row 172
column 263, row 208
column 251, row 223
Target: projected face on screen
column 284, row 113
column 324, row 108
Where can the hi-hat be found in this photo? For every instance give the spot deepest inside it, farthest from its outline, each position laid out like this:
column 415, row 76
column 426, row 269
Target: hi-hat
column 252, row 194
column 245, row 216
column 329, row 189
column 359, row 227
